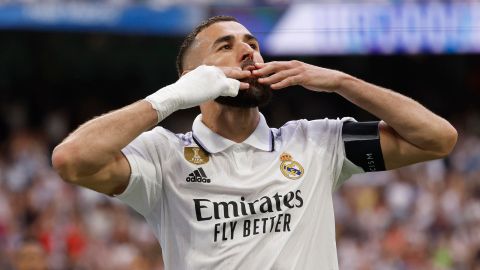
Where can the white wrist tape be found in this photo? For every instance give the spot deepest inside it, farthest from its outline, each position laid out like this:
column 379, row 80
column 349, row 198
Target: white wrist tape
column 197, row 86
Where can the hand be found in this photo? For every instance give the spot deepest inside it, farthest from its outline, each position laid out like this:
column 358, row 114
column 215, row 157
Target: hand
column 281, row 74
column 234, row 73
column 207, row 83
column 199, row 85
column 238, row 74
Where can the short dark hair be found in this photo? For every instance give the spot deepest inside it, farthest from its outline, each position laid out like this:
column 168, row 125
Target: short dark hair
column 188, row 41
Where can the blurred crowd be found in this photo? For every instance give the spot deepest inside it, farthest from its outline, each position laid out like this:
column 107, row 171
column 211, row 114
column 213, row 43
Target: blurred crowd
column 63, row 227
column 48, row 224
column 425, row 216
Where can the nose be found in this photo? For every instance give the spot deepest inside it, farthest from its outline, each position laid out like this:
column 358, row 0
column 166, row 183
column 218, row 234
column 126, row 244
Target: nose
column 246, row 52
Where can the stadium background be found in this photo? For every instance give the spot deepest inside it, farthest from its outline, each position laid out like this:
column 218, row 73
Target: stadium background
column 61, row 69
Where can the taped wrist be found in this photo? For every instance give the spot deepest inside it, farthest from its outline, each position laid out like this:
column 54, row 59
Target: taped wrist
column 197, row 86
column 165, row 101
column 362, row 145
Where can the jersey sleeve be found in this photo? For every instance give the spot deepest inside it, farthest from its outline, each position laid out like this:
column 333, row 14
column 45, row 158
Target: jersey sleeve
column 145, row 184
column 327, row 134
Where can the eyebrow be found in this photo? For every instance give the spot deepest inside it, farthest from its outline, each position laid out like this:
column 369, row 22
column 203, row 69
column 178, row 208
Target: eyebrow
column 219, row 40
column 229, row 38
column 249, row 37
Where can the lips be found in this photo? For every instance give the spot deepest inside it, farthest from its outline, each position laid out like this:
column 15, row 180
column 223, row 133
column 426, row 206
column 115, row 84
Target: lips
column 256, row 95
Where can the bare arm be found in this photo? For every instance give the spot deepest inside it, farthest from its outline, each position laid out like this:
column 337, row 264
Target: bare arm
column 91, row 156
column 413, row 133
column 409, row 133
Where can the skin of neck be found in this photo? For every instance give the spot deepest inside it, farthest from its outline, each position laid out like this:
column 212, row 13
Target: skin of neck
column 233, row 123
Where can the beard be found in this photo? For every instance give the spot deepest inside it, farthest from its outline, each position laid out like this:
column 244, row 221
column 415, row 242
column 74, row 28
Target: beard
column 257, row 95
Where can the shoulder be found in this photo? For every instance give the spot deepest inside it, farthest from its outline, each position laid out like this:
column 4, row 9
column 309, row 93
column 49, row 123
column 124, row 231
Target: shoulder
column 164, row 138
column 305, row 126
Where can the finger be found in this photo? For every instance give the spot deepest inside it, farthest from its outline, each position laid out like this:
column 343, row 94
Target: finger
column 244, row 86
column 265, row 69
column 236, row 73
column 280, row 76
column 239, row 74
column 289, row 81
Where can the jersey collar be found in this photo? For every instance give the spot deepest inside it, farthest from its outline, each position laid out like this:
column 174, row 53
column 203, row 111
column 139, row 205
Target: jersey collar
column 211, row 142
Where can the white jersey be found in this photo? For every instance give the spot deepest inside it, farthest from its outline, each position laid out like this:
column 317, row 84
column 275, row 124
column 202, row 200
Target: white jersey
column 265, row 203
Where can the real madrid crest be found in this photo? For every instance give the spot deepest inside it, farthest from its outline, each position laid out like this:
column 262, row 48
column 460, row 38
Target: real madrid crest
column 195, row 155
column 289, row 167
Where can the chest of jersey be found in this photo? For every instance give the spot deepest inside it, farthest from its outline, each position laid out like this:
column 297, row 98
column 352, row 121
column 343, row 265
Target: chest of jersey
column 241, row 170
column 228, row 209
column 243, row 192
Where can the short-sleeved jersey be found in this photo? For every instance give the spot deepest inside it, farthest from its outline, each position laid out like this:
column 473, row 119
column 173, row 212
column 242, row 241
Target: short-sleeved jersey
column 265, row 203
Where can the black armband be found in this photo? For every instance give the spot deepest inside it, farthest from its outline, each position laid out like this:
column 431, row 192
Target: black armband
column 362, row 145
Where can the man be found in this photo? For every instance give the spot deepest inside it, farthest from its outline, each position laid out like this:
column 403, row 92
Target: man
column 234, row 193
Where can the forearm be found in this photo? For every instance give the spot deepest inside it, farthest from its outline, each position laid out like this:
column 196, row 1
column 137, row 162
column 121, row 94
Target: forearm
column 98, row 141
column 96, row 145
column 412, row 121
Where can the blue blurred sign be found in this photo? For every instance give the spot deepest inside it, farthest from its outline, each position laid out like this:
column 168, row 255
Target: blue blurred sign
column 377, row 28
column 86, row 16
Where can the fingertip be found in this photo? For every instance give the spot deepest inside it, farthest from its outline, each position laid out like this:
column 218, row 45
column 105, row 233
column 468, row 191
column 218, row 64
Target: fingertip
column 261, row 80
column 244, row 86
column 275, row 86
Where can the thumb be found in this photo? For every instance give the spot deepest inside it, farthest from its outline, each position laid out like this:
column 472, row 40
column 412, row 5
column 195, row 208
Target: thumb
column 232, row 88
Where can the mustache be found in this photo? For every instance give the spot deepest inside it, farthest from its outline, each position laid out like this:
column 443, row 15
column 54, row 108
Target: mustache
column 246, row 63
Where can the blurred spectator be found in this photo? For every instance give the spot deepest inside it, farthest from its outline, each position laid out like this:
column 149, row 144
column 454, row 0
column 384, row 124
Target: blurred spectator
column 30, row 256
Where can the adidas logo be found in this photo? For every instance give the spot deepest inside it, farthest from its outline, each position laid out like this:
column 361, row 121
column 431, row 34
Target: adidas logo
column 198, row 176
